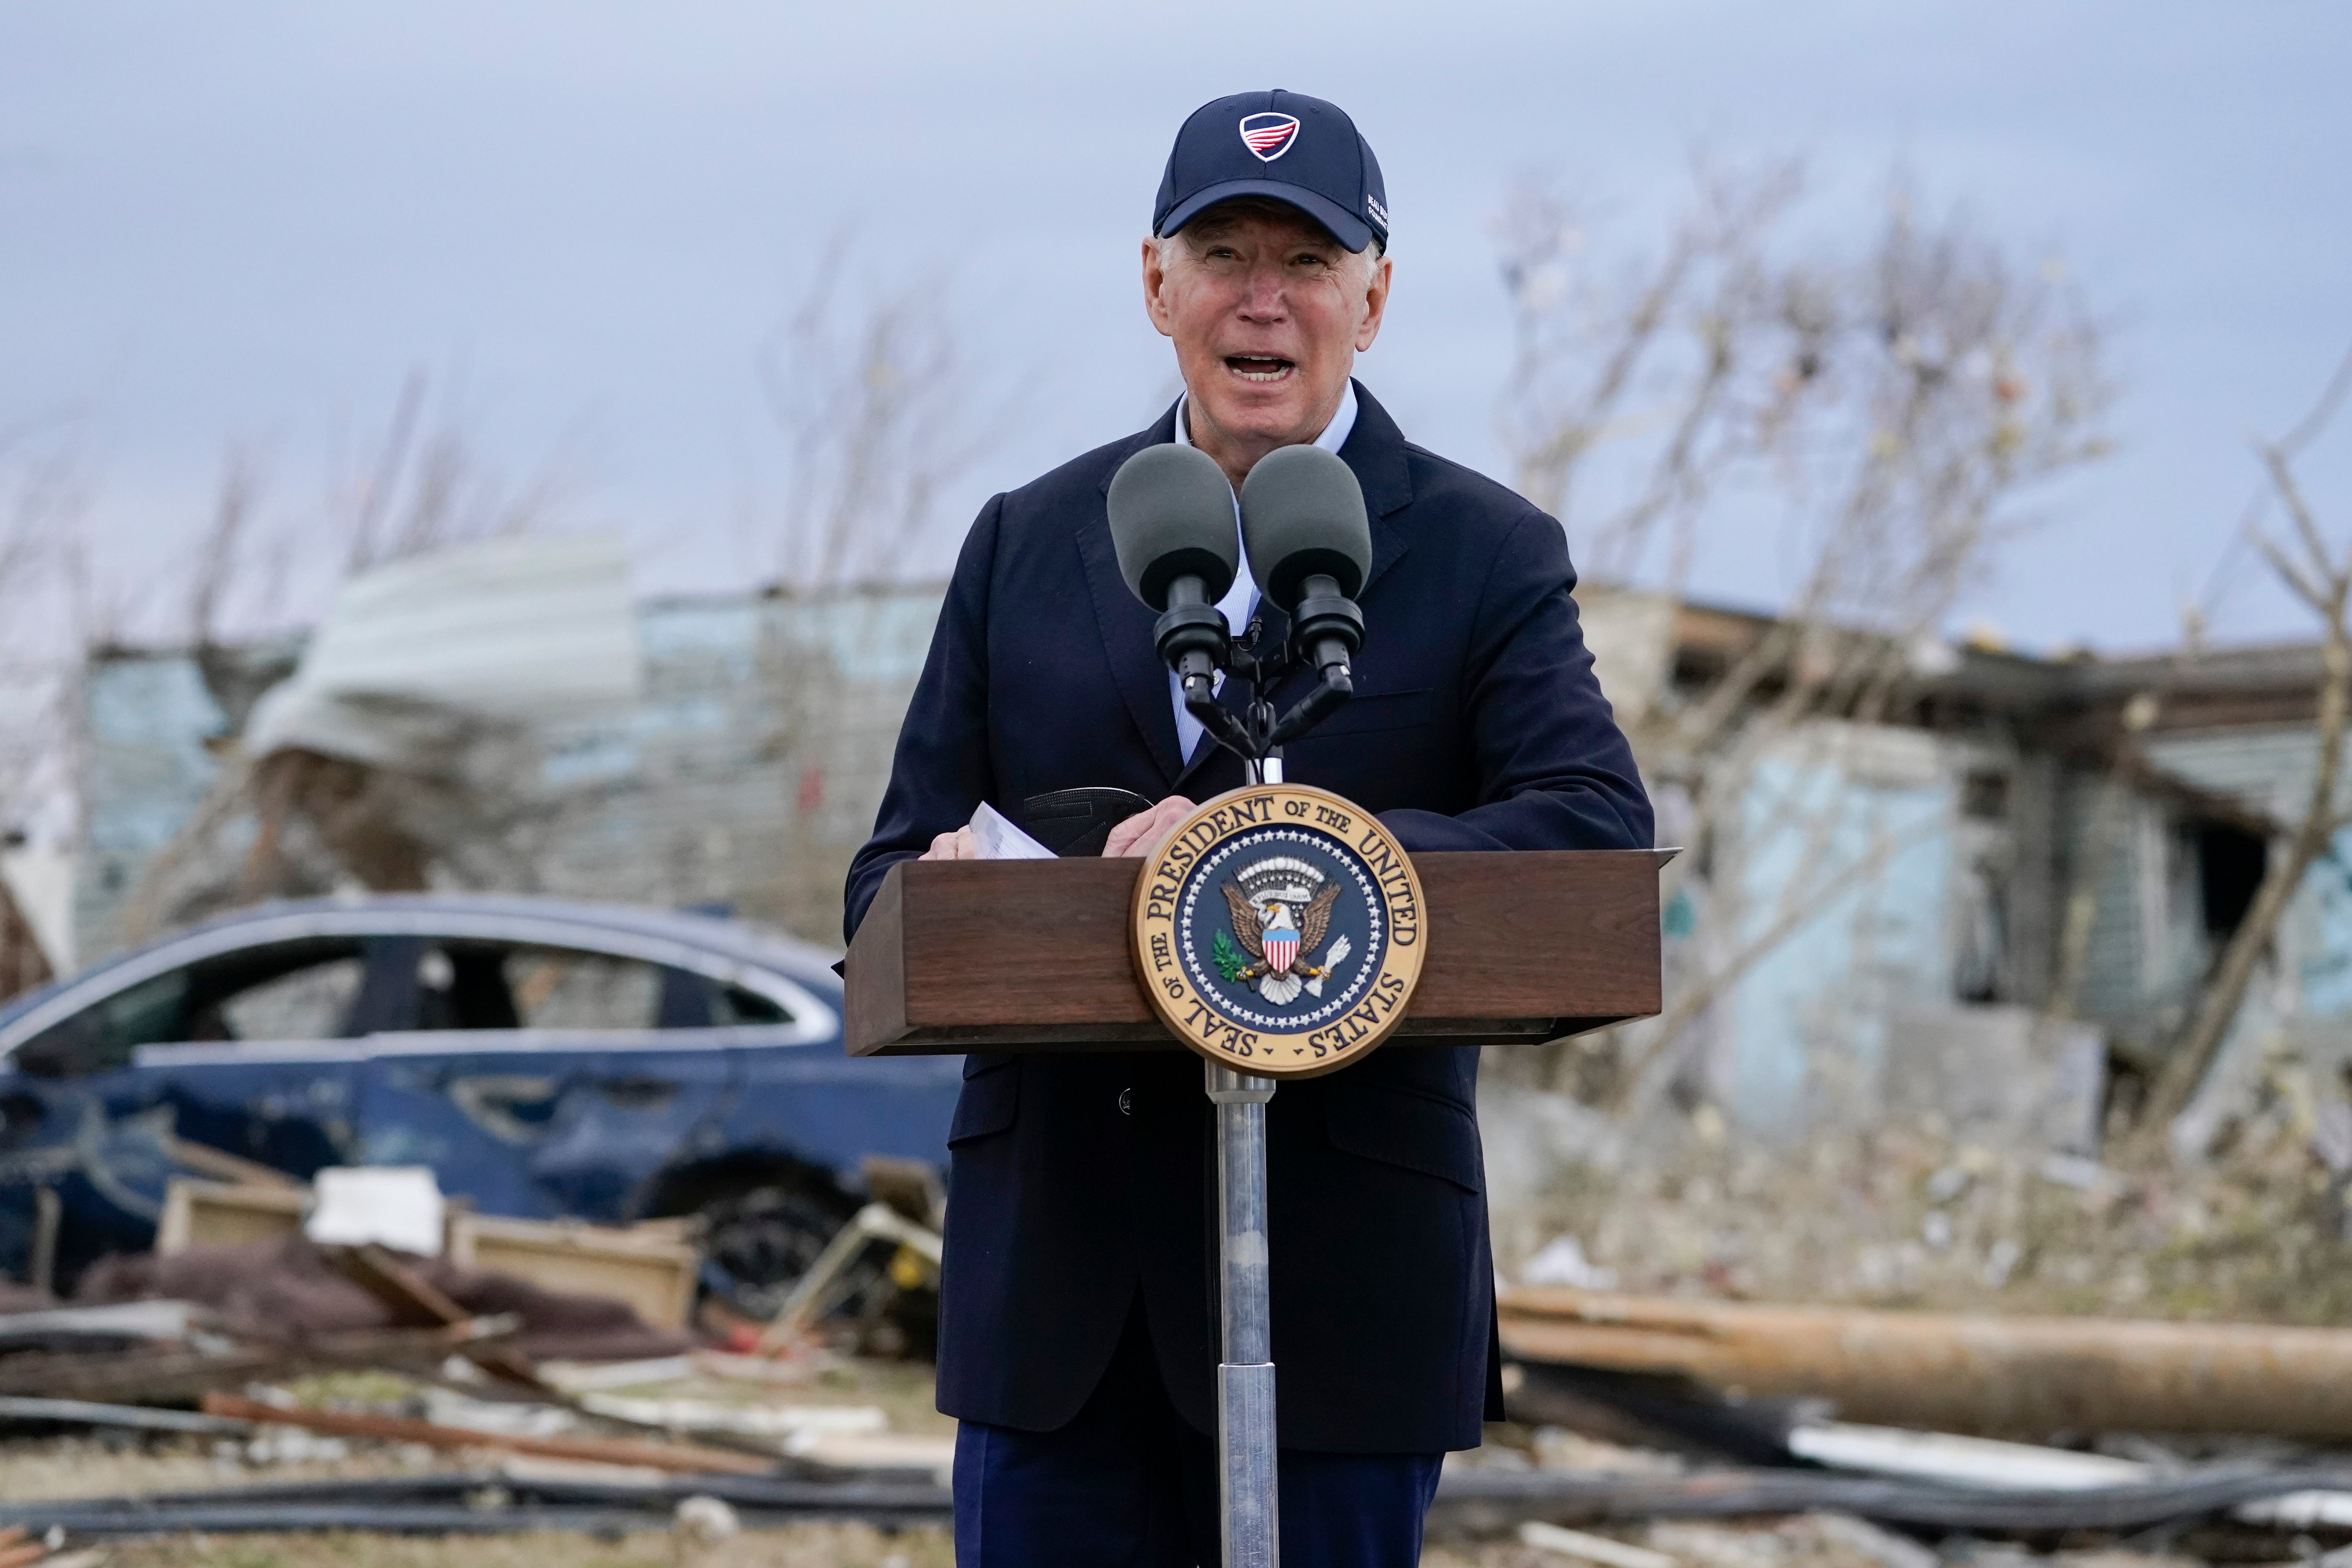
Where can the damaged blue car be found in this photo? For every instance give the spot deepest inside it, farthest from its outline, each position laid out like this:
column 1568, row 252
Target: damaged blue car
column 547, row 1060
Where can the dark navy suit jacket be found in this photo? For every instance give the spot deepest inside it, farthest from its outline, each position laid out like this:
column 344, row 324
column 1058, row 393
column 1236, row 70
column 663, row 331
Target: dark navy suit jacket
column 1079, row 1181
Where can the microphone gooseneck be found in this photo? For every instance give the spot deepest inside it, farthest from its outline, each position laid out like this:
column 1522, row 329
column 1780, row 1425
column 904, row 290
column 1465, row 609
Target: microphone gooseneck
column 1192, row 636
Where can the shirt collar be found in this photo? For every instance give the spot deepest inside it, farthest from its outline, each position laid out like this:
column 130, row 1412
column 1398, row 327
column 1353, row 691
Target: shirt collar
column 1334, row 437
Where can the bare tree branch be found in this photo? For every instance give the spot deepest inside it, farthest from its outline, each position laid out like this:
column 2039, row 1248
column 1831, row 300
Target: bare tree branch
column 880, row 413
column 1893, row 404
column 220, row 553
column 429, row 488
column 2192, row 1057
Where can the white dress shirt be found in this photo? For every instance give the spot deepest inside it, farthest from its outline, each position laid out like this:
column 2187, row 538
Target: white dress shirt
column 1241, row 600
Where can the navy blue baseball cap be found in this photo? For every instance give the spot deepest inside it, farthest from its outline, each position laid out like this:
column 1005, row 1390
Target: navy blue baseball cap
column 1283, row 145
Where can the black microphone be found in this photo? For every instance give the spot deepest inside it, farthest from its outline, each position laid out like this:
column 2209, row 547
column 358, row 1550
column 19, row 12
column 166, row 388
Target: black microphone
column 1311, row 546
column 1172, row 521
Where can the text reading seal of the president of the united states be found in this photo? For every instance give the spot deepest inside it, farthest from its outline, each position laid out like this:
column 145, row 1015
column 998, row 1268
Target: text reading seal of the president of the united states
column 1280, row 931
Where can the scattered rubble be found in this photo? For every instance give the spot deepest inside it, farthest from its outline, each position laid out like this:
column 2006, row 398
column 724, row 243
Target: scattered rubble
column 293, row 1292
column 1896, row 1211
column 397, row 1393
column 351, row 1388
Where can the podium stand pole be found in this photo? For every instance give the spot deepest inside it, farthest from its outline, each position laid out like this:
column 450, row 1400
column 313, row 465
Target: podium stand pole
column 1247, row 1518
column 1245, row 1474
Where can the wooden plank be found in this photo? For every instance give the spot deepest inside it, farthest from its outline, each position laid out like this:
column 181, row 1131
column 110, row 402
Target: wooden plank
column 415, row 1302
column 1033, row 955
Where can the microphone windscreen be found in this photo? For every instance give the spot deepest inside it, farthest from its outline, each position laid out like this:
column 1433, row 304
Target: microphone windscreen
column 1171, row 515
column 1303, row 512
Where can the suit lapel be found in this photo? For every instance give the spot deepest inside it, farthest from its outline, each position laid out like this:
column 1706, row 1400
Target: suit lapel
column 1376, row 450
column 1125, row 624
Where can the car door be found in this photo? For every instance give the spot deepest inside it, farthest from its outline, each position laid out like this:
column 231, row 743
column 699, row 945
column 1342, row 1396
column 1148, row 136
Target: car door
column 804, row 1099
column 544, row 1079
column 247, row 1050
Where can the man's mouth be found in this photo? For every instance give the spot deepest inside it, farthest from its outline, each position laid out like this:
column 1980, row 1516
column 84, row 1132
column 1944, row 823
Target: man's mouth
column 1259, row 367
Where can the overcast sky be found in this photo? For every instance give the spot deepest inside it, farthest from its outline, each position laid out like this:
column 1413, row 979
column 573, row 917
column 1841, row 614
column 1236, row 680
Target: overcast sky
column 241, row 221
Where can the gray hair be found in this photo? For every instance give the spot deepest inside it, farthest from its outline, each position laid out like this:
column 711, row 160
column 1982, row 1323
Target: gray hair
column 1370, row 255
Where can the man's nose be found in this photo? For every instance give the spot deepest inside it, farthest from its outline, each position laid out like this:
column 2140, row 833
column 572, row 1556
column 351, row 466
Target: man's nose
column 1262, row 298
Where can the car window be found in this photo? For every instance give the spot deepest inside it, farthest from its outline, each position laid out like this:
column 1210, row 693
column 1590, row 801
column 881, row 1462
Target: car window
column 309, row 1003
column 564, row 988
column 101, row 1036
column 297, row 989
column 734, row 1007
column 558, row 988
column 327, row 988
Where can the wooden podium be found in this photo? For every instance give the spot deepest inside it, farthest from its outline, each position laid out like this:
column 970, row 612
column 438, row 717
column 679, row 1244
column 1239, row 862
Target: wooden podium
column 1524, row 946
column 1039, row 955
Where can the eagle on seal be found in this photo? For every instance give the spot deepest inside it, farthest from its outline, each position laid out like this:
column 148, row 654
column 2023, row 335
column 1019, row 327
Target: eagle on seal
column 1279, row 942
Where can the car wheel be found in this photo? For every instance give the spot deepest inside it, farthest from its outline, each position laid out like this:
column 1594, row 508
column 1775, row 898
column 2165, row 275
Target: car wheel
column 758, row 1245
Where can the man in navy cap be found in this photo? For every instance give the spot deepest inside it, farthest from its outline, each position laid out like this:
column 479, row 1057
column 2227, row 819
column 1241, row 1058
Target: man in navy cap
column 1077, row 1331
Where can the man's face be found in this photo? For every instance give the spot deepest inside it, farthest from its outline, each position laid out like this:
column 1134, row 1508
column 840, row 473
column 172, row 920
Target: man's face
column 1267, row 311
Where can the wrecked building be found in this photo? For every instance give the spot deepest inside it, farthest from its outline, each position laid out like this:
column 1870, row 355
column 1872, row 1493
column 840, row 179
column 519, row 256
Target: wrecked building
column 1979, row 900
column 1989, row 897
column 740, row 768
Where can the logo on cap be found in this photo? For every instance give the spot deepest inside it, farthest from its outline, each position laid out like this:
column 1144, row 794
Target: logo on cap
column 1269, row 135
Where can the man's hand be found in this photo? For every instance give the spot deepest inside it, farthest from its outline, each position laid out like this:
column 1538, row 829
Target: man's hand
column 1143, row 833
column 957, row 845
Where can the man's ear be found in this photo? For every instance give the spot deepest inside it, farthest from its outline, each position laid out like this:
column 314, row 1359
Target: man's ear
column 1376, row 303
column 1155, row 280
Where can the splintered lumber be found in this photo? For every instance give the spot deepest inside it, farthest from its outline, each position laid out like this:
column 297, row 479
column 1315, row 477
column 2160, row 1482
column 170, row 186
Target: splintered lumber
column 677, row 1457
column 415, row 1302
column 1958, row 1373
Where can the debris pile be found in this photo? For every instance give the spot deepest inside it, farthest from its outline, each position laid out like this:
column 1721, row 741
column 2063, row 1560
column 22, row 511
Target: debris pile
column 1897, row 1212
column 522, row 1376
column 1895, row 1342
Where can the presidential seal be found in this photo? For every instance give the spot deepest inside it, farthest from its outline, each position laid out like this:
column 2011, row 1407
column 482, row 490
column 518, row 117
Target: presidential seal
column 1280, row 931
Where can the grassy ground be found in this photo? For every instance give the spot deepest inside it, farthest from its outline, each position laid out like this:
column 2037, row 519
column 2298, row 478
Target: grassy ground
column 38, row 1468
column 1807, row 1542
column 804, row 1546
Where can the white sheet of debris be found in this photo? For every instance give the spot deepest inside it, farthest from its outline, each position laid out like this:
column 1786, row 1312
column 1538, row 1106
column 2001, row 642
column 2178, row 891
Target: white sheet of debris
column 512, row 630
